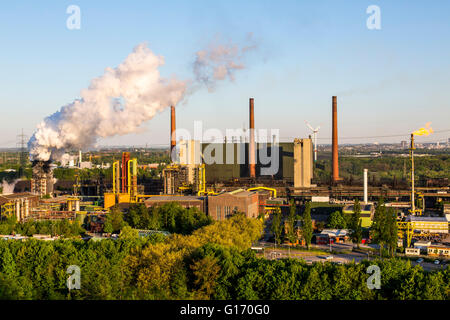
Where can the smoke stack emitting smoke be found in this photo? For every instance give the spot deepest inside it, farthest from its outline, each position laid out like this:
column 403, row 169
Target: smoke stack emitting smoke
column 123, row 98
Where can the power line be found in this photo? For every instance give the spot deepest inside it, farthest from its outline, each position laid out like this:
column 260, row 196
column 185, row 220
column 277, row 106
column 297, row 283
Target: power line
column 23, row 153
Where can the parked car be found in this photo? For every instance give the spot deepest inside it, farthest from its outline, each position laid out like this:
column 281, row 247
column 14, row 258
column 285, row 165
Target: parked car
column 436, row 261
column 420, row 260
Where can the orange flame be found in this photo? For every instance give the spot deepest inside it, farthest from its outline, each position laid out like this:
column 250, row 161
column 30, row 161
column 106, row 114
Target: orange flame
column 424, row 131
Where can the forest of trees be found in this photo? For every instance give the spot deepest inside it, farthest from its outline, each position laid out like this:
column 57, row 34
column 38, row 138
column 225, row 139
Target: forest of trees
column 63, row 228
column 170, row 217
column 214, row 262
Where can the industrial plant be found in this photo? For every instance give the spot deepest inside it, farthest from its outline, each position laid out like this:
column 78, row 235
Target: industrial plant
column 238, row 179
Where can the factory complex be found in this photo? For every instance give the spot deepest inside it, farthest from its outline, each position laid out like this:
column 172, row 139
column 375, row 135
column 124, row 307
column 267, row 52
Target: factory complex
column 245, row 175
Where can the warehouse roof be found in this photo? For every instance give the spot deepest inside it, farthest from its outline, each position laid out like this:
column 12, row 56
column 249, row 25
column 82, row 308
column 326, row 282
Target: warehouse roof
column 335, row 232
column 172, row 198
column 364, row 207
column 426, row 219
column 241, row 193
column 4, row 198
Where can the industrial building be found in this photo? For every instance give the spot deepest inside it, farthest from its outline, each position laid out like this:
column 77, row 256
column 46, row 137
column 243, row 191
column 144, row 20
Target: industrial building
column 327, row 236
column 230, row 161
column 226, row 204
column 125, row 188
column 429, row 225
column 184, row 201
column 18, row 204
column 290, row 162
column 42, row 178
column 436, row 250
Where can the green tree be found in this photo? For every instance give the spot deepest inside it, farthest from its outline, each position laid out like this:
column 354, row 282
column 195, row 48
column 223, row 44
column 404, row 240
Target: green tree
column 290, row 225
column 206, row 271
column 336, row 220
column 107, row 227
column 307, row 228
column 114, row 221
column 356, row 230
column 276, row 225
column 391, row 231
column 134, row 215
column 378, row 229
column 117, row 219
column 128, row 232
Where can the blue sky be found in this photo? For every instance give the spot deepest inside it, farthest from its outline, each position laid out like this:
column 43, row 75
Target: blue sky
column 389, row 81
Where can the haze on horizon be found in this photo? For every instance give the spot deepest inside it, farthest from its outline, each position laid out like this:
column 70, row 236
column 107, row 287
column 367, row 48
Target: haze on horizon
column 388, row 82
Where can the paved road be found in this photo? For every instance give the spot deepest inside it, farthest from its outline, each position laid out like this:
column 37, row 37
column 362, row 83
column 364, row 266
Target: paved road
column 342, row 258
column 428, row 266
column 310, row 257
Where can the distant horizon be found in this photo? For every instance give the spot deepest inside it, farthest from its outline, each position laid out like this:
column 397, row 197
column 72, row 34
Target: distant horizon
column 167, row 146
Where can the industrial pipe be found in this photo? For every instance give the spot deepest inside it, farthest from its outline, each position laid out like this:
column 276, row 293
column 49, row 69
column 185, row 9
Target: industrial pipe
column 413, row 205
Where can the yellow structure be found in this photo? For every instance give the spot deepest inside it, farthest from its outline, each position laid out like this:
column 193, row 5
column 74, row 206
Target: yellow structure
column 202, row 182
column 405, row 229
column 73, row 204
column 116, row 177
column 274, row 191
column 132, row 179
column 123, row 197
column 421, row 227
column 109, row 200
column 7, row 209
column 422, row 131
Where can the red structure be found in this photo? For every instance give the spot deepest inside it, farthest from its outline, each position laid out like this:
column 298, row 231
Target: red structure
column 335, row 164
column 125, row 159
column 173, row 141
column 252, row 162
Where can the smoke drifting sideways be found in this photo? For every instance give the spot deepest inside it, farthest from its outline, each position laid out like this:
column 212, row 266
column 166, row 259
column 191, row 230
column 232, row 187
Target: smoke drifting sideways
column 220, row 61
column 122, row 99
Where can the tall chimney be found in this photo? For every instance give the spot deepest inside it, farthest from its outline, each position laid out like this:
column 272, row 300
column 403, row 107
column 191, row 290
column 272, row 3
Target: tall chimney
column 252, row 141
column 365, row 186
column 335, row 166
column 173, row 141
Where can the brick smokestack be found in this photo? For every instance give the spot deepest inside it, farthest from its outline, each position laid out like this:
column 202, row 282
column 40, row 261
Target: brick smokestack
column 251, row 153
column 335, row 166
column 173, row 141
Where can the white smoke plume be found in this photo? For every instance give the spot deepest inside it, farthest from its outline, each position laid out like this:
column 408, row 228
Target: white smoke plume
column 220, row 61
column 7, row 187
column 123, row 98
column 116, row 103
